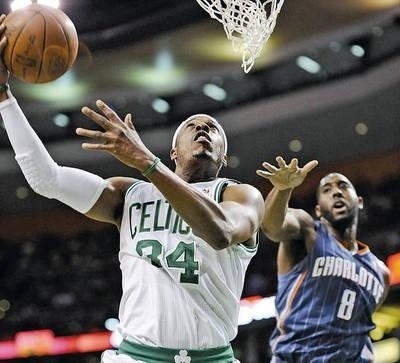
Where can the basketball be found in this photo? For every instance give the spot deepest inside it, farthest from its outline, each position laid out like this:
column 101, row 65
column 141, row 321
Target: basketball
column 42, row 43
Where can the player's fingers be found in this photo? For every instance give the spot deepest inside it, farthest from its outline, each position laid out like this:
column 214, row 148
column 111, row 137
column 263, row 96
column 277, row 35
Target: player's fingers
column 269, row 167
column 96, row 117
column 3, row 41
column 97, row 147
column 128, row 121
column 92, row 134
column 310, row 166
column 281, row 162
column 2, row 30
column 263, row 174
column 110, row 114
column 293, row 164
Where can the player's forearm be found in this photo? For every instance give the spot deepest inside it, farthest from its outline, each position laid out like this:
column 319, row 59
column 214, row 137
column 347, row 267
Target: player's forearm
column 206, row 217
column 19, row 131
column 276, row 207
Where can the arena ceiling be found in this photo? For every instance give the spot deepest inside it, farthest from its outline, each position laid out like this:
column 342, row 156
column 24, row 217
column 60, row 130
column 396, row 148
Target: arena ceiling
column 136, row 55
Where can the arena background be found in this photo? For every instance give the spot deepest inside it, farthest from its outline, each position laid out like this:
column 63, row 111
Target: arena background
column 326, row 87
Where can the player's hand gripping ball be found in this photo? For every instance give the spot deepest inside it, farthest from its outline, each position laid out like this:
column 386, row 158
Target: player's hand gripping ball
column 42, row 43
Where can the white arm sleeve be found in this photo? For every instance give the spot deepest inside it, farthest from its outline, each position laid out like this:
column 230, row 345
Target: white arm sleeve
column 76, row 188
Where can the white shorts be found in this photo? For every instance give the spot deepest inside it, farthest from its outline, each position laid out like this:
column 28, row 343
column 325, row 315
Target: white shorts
column 111, row 356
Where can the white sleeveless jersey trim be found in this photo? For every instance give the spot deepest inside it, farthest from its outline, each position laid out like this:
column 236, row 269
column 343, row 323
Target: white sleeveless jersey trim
column 135, row 184
column 249, row 249
column 178, row 292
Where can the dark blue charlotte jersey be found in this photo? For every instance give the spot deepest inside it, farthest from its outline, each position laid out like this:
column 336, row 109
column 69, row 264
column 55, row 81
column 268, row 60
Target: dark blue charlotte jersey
column 324, row 304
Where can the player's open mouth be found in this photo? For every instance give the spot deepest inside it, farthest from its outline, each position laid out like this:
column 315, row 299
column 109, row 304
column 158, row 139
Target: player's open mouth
column 202, row 136
column 339, row 206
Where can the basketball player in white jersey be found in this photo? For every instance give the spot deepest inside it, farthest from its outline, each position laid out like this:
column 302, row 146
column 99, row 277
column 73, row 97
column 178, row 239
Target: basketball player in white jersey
column 186, row 237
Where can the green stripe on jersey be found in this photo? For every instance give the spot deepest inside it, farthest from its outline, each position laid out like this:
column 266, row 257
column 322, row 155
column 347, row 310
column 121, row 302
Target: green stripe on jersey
column 218, row 189
column 166, row 355
column 135, row 184
column 248, row 248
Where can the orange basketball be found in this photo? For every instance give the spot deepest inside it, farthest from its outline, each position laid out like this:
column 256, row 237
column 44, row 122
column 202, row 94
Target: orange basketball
column 42, row 43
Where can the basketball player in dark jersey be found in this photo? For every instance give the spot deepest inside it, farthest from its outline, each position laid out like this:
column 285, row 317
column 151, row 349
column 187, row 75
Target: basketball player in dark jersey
column 329, row 283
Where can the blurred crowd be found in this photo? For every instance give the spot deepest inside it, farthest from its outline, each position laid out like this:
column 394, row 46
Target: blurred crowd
column 67, row 285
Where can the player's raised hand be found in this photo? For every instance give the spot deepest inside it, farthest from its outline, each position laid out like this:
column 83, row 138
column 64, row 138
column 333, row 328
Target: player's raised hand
column 4, row 74
column 286, row 176
column 119, row 138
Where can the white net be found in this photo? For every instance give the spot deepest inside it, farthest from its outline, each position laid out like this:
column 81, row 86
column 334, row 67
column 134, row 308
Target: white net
column 247, row 23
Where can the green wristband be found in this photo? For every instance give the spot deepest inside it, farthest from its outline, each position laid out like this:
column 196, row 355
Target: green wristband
column 150, row 170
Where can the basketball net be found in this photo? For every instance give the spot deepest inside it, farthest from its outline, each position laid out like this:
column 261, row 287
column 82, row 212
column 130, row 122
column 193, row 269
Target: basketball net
column 247, row 23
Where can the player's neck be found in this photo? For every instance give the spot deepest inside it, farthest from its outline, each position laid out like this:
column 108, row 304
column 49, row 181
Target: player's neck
column 195, row 173
column 346, row 236
column 350, row 244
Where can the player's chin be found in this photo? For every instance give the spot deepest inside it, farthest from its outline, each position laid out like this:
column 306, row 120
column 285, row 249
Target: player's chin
column 203, row 155
column 342, row 221
column 203, row 145
column 340, row 215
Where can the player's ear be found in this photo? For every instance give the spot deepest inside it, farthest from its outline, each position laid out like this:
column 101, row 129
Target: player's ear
column 173, row 154
column 360, row 203
column 318, row 211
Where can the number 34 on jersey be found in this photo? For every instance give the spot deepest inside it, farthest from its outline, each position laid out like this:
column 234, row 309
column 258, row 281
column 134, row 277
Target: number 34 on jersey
column 181, row 258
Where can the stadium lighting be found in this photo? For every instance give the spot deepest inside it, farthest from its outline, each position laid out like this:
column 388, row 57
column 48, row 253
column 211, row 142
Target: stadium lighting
column 307, row 64
column 215, row 92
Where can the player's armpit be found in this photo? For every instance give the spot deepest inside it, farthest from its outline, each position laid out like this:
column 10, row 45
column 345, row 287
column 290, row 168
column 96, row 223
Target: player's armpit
column 109, row 206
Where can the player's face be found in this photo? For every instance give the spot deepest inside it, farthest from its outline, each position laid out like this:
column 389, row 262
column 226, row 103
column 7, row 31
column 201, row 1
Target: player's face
column 201, row 137
column 338, row 202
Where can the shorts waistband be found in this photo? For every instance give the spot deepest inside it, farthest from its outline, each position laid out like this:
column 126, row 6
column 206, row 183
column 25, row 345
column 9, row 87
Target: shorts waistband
column 167, row 355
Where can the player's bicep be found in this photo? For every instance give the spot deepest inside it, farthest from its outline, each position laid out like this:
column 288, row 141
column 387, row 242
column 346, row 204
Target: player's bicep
column 109, row 206
column 244, row 208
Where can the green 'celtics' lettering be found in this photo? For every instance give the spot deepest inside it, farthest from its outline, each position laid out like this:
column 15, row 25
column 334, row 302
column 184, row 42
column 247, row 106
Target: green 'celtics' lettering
column 154, row 249
column 145, row 216
column 133, row 230
column 183, row 230
column 156, row 225
column 155, row 216
column 183, row 257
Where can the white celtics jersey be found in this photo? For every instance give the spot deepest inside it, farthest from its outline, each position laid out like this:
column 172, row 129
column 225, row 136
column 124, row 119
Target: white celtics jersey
column 178, row 292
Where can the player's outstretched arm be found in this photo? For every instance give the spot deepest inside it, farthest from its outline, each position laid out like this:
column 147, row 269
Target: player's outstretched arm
column 76, row 188
column 81, row 190
column 280, row 222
